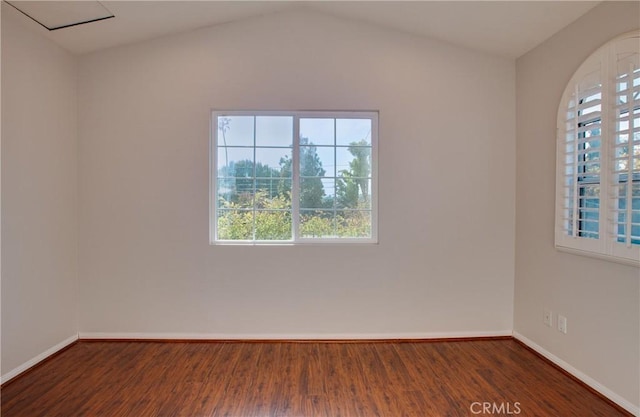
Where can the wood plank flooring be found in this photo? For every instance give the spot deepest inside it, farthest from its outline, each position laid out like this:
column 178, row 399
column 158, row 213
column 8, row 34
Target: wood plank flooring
column 238, row 379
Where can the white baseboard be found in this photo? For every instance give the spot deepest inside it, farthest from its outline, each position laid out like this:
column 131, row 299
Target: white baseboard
column 34, row 361
column 291, row 336
column 633, row 409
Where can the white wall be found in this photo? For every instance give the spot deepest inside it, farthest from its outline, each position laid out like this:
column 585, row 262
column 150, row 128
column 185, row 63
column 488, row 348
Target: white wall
column 599, row 298
column 444, row 264
column 39, row 194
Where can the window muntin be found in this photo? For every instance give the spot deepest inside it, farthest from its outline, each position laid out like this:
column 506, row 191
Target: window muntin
column 598, row 173
column 293, row 177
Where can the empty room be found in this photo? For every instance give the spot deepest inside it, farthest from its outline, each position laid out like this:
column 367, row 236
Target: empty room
column 320, row 208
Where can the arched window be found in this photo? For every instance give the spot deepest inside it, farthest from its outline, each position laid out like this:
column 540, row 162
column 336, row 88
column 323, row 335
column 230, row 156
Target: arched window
column 598, row 155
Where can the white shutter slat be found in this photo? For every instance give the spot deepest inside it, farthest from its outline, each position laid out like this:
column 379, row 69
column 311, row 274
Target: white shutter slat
column 588, row 101
column 588, row 128
column 592, row 118
column 591, row 85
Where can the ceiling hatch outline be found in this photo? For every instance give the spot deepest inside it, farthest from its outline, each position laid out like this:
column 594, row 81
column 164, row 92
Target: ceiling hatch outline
column 47, row 13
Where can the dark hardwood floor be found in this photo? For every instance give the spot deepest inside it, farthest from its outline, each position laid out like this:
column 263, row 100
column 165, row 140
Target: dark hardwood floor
column 193, row 379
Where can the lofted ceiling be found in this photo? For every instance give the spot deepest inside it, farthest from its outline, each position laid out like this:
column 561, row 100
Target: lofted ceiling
column 504, row 28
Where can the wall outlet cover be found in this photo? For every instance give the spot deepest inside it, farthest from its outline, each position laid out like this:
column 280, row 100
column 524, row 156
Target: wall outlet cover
column 547, row 317
column 562, row 324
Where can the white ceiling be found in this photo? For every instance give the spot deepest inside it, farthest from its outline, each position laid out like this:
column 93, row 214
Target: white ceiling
column 505, row 28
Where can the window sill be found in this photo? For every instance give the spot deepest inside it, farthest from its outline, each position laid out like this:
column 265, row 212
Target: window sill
column 299, row 243
column 609, row 258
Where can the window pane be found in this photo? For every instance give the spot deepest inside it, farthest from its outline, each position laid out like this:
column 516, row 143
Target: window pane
column 235, row 192
column 589, row 190
column 273, row 225
column 590, row 130
column 317, row 193
column 353, row 193
column 273, row 193
column 623, row 212
column 354, row 161
column 316, row 161
column 235, row 162
column 350, row 131
column 590, row 168
column 623, row 125
column 589, row 211
column 589, row 235
column 592, row 143
column 235, row 224
column 588, row 225
column 591, row 156
column 273, row 162
column 622, row 138
column 274, row 131
column 589, row 216
column 317, row 223
column 353, row 223
column 317, row 131
column 235, row 131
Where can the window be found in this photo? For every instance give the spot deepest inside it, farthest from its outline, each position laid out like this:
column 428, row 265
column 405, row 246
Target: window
column 598, row 155
column 293, row 177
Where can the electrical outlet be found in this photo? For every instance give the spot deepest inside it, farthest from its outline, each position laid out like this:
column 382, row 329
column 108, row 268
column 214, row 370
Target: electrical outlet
column 562, row 324
column 547, row 318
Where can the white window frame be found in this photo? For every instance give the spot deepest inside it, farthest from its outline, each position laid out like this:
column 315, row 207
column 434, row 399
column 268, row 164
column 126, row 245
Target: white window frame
column 295, row 186
column 606, row 246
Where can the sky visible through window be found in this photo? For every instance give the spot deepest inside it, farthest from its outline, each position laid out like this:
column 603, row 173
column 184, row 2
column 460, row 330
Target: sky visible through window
column 277, row 131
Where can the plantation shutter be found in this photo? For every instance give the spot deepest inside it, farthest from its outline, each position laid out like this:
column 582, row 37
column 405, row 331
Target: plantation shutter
column 625, row 155
column 598, row 155
column 580, row 160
